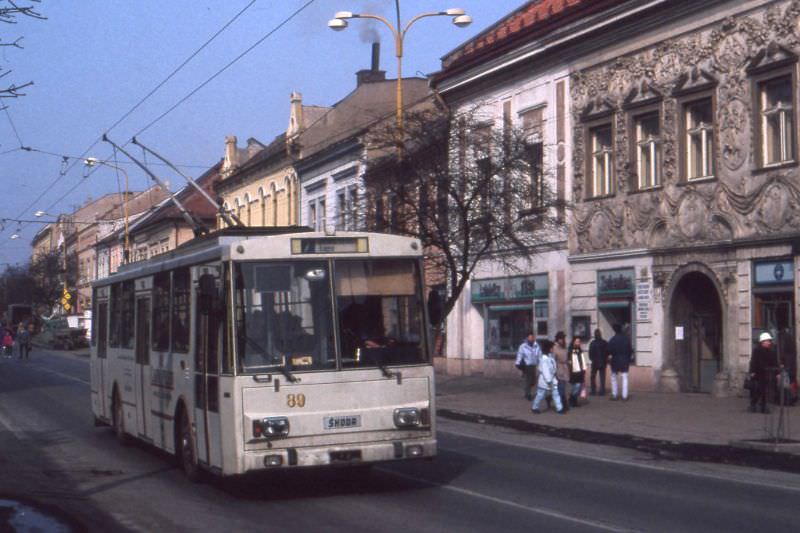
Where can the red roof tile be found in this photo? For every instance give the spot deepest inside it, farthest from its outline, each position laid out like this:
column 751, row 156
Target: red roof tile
column 534, row 19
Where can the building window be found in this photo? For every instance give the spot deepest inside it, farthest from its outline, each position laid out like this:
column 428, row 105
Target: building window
column 699, row 138
column 648, row 158
column 777, row 120
column 601, row 141
column 316, row 213
column 341, row 210
column 346, row 206
column 536, row 162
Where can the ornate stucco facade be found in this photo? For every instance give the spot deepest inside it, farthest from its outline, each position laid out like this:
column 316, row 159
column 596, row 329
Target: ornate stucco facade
column 703, row 237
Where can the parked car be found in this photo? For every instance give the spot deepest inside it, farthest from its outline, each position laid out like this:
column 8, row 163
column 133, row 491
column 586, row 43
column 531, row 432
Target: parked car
column 58, row 334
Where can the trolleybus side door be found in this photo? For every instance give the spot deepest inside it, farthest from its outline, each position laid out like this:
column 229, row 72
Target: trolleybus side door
column 101, row 363
column 208, row 335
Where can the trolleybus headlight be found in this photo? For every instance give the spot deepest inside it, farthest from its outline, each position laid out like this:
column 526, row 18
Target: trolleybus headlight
column 274, row 426
column 406, row 417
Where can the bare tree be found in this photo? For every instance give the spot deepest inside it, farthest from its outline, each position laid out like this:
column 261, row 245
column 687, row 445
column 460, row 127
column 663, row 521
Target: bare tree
column 469, row 189
column 10, row 11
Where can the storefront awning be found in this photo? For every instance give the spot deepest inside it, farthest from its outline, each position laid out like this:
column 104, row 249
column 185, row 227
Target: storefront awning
column 613, row 304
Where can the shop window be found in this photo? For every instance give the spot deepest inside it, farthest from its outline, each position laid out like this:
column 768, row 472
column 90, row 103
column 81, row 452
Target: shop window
column 698, row 123
column 601, row 160
column 648, row 156
column 776, row 120
column 180, row 310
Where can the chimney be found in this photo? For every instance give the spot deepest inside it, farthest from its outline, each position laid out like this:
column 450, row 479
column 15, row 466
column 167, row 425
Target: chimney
column 374, row 74
column 295, row 114
column 231, row 154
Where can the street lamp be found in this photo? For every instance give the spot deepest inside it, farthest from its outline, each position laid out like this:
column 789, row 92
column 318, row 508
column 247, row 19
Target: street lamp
column 92, row 162
column 339, row 23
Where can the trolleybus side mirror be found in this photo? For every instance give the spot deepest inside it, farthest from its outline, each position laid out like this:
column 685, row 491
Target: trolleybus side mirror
column 435, row 307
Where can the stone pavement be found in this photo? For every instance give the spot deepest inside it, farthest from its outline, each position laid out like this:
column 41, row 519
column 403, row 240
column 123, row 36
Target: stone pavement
column 675, row 418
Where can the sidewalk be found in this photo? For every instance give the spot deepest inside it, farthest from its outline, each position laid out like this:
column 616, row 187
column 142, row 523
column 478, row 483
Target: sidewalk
column 672, row 419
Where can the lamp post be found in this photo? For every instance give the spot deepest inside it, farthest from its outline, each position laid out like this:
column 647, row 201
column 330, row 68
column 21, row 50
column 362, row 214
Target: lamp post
column 92, row 162
column 339, row 23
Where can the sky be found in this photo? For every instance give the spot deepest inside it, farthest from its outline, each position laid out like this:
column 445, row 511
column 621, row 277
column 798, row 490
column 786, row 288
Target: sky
column 92, row 61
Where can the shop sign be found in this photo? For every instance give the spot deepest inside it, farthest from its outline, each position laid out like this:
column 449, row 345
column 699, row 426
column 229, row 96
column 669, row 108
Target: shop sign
column 617, row 282
column 505, row 289
column 774, row 273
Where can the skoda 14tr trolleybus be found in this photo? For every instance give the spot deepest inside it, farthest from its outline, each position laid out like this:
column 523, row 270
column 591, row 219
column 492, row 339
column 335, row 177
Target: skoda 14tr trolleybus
column 247, row 350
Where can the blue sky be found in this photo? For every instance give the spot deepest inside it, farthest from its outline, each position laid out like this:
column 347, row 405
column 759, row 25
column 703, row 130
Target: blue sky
column 92, row 60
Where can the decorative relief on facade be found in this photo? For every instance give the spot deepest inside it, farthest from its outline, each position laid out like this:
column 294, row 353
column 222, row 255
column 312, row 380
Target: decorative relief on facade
column 736, row 203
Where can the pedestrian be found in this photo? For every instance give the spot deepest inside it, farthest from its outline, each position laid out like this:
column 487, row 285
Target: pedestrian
column 598, row 355
column 562, row 366
column 763, row 364
column 547, row 383
column 8, row 342
column 24, row 341
column 789, row 362
column 577, row 371
column 621, row 351
column 527, row 361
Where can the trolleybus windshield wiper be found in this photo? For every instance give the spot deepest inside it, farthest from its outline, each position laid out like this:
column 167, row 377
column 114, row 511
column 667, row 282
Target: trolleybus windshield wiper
column 284, row 368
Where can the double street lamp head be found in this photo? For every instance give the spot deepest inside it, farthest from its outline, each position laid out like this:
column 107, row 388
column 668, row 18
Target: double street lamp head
column 460, row 19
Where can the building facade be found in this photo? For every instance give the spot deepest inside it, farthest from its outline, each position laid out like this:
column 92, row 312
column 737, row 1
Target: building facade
column 685, row 155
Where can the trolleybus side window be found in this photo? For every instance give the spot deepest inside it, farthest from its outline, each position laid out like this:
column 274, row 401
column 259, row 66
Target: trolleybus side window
column 116, row 310
column 161, row 312
column 126, row 314
column 380, row 312
column 181, row 287
column 284, row 316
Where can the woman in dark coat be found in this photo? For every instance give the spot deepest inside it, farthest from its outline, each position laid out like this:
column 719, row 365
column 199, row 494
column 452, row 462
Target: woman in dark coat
column 577, row 371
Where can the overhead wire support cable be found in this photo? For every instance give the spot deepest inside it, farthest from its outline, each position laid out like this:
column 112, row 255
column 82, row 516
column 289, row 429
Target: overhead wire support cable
column 226, row 67
column 128, row 113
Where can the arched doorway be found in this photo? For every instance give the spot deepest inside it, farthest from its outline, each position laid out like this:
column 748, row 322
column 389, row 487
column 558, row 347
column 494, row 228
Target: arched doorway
column 696, row 315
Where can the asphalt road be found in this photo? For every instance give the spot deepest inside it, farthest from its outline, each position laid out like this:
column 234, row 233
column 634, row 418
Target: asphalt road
column 485, row 479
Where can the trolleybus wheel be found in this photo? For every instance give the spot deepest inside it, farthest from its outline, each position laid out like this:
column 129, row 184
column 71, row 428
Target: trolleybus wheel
column 119, row 421
column 187, row 456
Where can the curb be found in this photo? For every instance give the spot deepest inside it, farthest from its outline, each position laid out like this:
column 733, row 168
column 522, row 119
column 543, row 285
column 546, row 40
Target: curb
column 764, row 458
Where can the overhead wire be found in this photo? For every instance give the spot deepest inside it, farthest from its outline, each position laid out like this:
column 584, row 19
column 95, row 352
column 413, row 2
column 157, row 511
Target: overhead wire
column 280, row 25
column 128, row 113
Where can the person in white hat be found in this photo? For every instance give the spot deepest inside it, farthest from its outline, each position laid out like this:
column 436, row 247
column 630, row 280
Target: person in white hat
column 763, row 363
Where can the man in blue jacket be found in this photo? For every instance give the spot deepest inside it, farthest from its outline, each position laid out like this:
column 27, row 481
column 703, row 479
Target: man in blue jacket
column 527, row 360
column 619, row 346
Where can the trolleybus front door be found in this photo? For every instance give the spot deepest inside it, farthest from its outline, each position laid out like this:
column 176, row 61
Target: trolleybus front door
column 206, row 379
column 142, row 371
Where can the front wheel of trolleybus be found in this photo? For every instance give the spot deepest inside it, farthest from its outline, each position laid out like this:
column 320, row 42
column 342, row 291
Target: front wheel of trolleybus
column 185, row 450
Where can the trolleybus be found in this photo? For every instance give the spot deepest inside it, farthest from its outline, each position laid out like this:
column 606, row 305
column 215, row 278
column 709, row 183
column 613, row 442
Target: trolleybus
column 247, row 350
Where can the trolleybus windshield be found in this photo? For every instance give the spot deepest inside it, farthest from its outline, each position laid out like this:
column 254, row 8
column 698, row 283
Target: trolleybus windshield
column 285, row 316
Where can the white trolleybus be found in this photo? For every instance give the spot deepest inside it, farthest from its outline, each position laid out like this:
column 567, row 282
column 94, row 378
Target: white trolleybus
column 248, row 350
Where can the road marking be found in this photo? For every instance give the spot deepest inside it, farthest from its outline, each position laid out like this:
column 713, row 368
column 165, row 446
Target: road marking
column 635, row 465
column 493, row 499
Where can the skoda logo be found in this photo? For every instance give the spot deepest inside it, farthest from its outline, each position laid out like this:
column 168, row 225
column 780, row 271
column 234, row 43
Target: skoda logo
column 778, row 272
